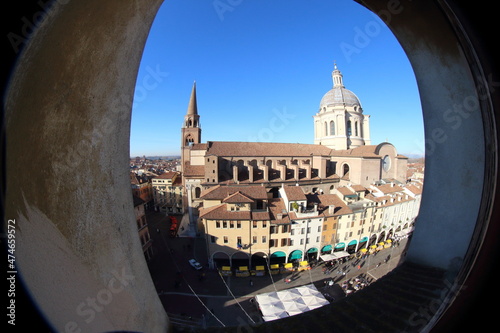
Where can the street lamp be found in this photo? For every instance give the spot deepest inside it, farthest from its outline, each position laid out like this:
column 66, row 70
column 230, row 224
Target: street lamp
column 269, row 270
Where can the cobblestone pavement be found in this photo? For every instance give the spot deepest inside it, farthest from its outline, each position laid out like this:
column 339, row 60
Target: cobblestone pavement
column 199, row 294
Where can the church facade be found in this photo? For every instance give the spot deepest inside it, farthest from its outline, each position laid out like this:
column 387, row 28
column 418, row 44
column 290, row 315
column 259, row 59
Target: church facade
column 342, row 153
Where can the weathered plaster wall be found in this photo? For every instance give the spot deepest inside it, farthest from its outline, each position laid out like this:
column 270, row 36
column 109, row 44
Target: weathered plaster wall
column 68, row 122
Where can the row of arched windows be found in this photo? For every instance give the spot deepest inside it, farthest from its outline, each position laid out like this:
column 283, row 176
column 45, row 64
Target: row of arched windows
column 330, row 128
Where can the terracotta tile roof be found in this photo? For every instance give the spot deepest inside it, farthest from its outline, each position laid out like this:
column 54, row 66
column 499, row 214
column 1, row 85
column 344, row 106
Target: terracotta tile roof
column 199, row 146
column 358, row 188
column 325, row 200
column 133, row 179
column 344, row 190
column 221, row 192
column 362, row 151
column 220, row 212
column 414, row 189
column 261, row 216
column 276, row 208
column 294, row 193
column 389, row 188
column 247, row 149
column 381, row 199
column 166, row 175
column 237, row 197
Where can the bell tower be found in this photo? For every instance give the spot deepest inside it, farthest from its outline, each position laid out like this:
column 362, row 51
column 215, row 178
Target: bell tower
column 191, row 130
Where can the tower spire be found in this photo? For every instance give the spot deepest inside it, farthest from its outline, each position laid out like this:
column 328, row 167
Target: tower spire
column 193, row 107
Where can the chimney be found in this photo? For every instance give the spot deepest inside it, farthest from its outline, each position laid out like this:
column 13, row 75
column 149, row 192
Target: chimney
column 280, row 216
column 331, row 209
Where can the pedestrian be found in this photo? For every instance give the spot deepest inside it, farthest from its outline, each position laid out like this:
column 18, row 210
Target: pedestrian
column 251, row 283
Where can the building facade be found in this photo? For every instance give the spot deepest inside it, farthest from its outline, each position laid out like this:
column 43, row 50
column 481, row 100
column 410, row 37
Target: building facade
column 236, row 224
column 280, row 202
column 142, row 227
column 168, row 192
column 243, row 224
column 142, row 188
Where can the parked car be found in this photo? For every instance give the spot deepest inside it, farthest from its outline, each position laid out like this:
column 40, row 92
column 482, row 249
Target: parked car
column 196, row 265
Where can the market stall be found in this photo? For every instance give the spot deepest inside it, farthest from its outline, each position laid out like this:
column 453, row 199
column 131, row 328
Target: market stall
column 288, row 267
column 285, row 303
column 242, row 271
column 226, row 271
column 303, row 266
column 275, row 269
column 260, row 271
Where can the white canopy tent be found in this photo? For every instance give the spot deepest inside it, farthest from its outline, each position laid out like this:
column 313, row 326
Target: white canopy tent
column 334, row 255
column 284, row 303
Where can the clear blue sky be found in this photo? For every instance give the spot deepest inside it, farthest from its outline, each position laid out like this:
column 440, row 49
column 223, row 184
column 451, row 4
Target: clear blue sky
column 261, row 69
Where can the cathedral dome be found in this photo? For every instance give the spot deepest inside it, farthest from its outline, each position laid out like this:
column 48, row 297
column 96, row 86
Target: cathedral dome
column 339, row 96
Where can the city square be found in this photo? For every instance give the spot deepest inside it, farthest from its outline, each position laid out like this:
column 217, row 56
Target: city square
column 204, row 298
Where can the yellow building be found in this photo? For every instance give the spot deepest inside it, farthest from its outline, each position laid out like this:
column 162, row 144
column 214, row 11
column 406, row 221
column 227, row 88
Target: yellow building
column 332, row 207
column 236, row 224
column 167, row 192
column 280, row 238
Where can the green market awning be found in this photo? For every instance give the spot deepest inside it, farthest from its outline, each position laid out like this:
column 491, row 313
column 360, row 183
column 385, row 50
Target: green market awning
column 278, row 254
column 326, row 248
column 340, row 246
column 297, row 254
